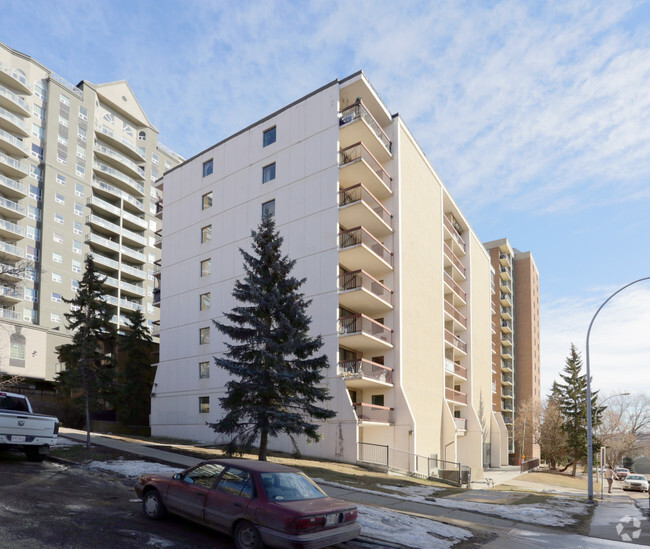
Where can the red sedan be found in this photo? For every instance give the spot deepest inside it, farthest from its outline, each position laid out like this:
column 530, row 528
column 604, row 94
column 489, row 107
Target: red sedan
column 257, row 502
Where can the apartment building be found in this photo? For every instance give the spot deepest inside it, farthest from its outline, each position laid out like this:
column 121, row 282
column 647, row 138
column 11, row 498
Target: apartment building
column 515, row 342
column 77, row 166
column 400, row 284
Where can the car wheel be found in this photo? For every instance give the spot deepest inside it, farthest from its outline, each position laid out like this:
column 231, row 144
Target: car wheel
column 153, row 506
column 34, row 455
column 247, row 536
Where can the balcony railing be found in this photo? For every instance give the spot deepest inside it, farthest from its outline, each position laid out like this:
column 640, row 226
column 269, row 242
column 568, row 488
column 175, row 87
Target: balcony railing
column 119, row 175
column 358, row 151
column 455, row 368
column 98, row 183
column 12, row 185
column 504, row 258
column 9, row 314
column 359, row 236
column 353, row 324
column 360, row 279
column 453, row 258
column 455, row 313
column 456, row 396
column 10, row 249
column 452, row 338
column 455, row 286
column 506, row 391
column 461, row 423
column 367, row 369
column 12, row 228
column 454, row 233
column 14, row 98
column 373, row 412
column 358, row 111
column 13, row 163
column 13, row 206
column 507, row 337
column 358, row 193
column 11, row 117
column 12, row 140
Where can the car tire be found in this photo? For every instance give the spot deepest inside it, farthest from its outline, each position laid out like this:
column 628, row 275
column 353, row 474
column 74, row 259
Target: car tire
column 153, row 506
column 34, row 455
column 247, row 536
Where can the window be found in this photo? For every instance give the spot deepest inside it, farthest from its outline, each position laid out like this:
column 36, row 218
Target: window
column 56, row 297
column 59, row 218
column 56, row 277
column 34, row 213
column 377, row 400
column 81, row 151
column 36, row 172
column 59, row 198
column 206, row 267
column 207, row 167
column 204, row 336
column 60, row 179
column 206, row 201
column 81, row 134
column 75, row 285
column 154, row 158
column 40, row 89
column 108, row 117
column 78, row 209
column 33, row 232
column 39, row 112
column 76, row 266
column 55, row 317
column 62, row 158
column 77, row 228
column 83, row 113
column 142, row 136
column 204, row 301
column 38, row 132
column 81, row 169
column 65, row 99
column 57, row 258
column 236, row 482
column 64, row 121
column 32, row 253
column 79, row 190
column 31, row 295
column 206, row 233
column 204, row 406
column 62, row 139
column 268, row 208
column 37, row 152
column 57, row 237
column 76, row 247
column 35, row 192
column 204, row 370
column 128, row 130
column 268, row 173
column 268, row 136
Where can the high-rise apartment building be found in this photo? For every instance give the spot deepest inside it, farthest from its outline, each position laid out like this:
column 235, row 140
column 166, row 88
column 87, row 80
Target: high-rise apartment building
column 516, row 343
column 400, row 284
column 77, row 165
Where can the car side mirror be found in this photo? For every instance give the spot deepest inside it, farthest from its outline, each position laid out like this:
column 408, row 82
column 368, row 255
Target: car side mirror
column 177, row 476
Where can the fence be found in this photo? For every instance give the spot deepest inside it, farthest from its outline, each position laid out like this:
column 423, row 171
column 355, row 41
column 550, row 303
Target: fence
column 413, row 464
column 529, row 465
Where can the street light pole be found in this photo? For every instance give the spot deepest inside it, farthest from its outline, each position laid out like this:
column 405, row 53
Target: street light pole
column 590, row 450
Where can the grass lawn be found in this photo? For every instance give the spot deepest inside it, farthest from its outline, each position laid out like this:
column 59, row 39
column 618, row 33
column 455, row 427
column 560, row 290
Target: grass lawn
column 555, row 478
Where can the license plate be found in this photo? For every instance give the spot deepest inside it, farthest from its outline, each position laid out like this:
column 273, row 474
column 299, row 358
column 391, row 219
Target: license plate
column 18, row 438
column 331, row 519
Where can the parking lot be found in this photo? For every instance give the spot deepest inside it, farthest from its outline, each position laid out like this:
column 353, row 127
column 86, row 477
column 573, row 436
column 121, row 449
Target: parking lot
column 70, row 507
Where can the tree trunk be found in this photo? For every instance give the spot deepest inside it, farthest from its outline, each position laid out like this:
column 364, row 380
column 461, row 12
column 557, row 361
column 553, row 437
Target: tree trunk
column 87, row 405
column 264, row 441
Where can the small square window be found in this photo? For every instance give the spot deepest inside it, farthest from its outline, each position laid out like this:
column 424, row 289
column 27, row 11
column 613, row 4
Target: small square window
column 204, row 336
column 56, row 297
column 204, row 405
column 268, row 208
column 204, row 370
column 206, row 201
column 56, row 277
column 268, row 136
column 268, row 173
column 204, row 301
column 206, row 267
column 59, row 218
column 76, row 266
column 206, row 233
column 208, row 167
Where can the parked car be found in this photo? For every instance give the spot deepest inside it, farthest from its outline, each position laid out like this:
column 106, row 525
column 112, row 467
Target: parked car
column 635, row 482
column 257, row 502
column 621, row 472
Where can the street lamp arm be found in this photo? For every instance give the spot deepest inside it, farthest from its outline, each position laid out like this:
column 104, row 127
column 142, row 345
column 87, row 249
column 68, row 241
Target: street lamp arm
column 590, row 464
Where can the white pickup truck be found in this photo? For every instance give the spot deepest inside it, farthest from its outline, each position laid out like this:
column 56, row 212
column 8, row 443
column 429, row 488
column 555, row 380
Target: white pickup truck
column 24, row 430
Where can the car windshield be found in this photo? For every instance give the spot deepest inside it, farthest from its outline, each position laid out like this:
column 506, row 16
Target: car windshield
column 15, row 404
column 635, row 477
column 290, row 487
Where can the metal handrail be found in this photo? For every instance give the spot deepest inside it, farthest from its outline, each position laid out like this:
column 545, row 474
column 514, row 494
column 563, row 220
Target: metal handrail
column 453, row 258
column 360, row 323
column 359, row 151
column 450, row 309
column 360, row 279
column 360, row 236
column 454, row 286
column 454, row 233
column 456, row 396
column 367, row 369
column 452, row 338
column 358, row 111
column 359, row 193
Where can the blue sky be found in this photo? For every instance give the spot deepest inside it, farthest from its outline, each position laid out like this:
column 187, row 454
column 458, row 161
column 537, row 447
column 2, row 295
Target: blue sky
column 535, row 114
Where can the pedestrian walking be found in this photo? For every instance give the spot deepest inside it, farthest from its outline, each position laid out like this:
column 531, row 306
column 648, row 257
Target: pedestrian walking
column 610, row 475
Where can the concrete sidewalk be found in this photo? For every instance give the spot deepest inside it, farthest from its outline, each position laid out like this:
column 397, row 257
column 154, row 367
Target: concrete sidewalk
column 615, row 518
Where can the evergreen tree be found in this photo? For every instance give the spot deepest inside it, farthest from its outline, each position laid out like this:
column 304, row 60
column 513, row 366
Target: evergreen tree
column 135, row 374
column 88, row 368
column 572, row 397
column 552, row 439
column 275, row 377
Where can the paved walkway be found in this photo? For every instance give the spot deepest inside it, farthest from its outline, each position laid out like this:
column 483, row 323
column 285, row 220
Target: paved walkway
column 616, row 522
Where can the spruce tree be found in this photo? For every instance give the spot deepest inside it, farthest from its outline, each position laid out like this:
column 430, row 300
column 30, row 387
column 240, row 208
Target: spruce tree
column 572, row 397
column 135, row 374
column 275, row 386
column 88, row 366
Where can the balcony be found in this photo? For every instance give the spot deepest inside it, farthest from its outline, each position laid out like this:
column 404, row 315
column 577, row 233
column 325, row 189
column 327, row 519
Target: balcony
column 357, row 164
column 9, row 314
column 13, row 101
column 131, row 289
column 133, row 272
column 457, row 342
column 358, row 206
column 118, row 178
column 133, row 254
column 155, row 300
column 454, row 287
column 506, row 287
column 119, row 160
column 360, row 250
column 157, row 269
column 457, row 242
column 129, row 237
column 133, row 221
column 506, row 326
column 506, row 340
column 505, row 274
column 507, row 406
column 506, row 392
column 506, row 313
column 506, row 379
column 9, row 294
column 504, row 259
column 362, row 333
column 12, row 167
column 104, row 261
column 461, row 423
column 455, row 369
column 506, row 353
column 358, row 125
column 453, row 259
column 455, row 396
column 158, row 238
column 96, row 204
column 12, row 145
column 11, row 252
column 12, row 273
column 97, row 222
column 362, row 373
column 506, row 366
column 11, row 209
column 11, row 188
column 506, row 300
column 98, row 242
column 10, row 230
column 455, row 315
column 12, row 123
column 159, row 209
column 129, row 149
column 371, row 413
column 114, row 192
column 14, row 79
column 359, row 291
